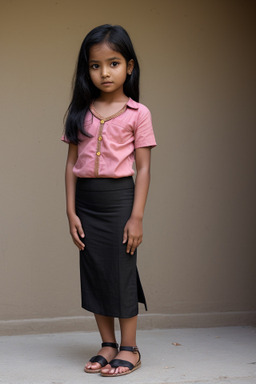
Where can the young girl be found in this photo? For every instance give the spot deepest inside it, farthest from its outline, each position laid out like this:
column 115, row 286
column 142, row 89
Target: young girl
column 107, row 128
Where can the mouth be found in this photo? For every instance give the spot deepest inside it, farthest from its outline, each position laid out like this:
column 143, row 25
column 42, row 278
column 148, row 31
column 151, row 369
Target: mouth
column 106, row 83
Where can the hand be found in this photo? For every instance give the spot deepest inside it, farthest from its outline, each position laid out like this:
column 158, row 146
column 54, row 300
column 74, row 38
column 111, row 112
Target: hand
column 76, row 230
column 133, row 232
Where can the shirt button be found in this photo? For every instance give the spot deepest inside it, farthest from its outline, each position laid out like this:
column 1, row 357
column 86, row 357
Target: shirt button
column 98, row 153
column 100, row 138
column 102, row 121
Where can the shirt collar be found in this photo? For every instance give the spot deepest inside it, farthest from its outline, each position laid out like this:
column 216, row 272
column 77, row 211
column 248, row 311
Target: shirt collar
column 132, row 104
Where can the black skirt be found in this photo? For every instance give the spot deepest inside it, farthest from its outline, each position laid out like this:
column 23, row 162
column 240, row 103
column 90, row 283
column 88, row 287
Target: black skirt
column 110, row 283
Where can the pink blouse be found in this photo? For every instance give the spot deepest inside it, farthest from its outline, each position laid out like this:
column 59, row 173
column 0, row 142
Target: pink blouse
column 110, row 150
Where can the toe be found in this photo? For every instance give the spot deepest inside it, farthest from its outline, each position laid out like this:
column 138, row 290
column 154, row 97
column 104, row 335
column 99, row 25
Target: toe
column 92, row 366
column 106, row 369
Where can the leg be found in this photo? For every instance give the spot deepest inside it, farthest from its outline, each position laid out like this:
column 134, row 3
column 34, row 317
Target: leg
column 106, row 328
column 128, row 338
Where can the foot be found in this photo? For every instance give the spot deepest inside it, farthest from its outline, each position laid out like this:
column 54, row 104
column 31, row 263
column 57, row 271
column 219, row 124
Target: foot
column 108, row 353
column 132, row 357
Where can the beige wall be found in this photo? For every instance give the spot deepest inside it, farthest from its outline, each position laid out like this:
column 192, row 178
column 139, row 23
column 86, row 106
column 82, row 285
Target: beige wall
column 198, row 78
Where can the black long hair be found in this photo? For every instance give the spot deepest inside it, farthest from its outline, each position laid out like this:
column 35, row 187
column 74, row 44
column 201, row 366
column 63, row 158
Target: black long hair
column 84, row 92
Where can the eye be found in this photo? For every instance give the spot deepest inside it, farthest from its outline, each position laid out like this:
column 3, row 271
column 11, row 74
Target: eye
column 94, row 66
column 114, row 64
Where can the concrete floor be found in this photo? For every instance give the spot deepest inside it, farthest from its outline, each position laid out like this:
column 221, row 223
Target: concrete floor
column 205, row 356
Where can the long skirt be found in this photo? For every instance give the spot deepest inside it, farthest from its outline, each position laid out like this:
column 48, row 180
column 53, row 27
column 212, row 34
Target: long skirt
column 110, row 283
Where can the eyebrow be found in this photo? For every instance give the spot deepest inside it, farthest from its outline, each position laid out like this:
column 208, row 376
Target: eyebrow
column 110, row 59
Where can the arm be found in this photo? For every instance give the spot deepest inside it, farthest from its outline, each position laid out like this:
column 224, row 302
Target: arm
column 70, row 181
column 133, row 230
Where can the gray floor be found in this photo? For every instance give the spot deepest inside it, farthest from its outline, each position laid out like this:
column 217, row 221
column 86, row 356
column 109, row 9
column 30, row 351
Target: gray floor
column 206, row 355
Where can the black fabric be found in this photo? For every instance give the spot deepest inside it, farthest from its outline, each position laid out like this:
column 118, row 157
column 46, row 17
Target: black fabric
column 110, row 283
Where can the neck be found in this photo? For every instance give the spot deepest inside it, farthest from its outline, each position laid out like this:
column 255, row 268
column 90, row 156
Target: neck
column 109, row 98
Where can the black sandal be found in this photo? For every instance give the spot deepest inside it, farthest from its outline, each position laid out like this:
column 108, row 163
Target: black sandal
column 116, row 363
column 100, row 359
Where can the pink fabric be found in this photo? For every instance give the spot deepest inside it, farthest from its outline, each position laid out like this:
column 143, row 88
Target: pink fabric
column 111, row 154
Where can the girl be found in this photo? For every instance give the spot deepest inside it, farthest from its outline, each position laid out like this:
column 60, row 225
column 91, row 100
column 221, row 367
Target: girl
column 106, row 128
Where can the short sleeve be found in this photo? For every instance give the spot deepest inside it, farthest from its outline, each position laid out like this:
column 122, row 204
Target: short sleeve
column 64, row 139
column 143, row 132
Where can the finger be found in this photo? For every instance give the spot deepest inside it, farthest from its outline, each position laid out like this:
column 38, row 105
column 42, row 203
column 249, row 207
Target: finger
column 79, row 244
column 134, row 246
column 80, row 230
column 139, row 241
column 136, row 243
column 129, row 244
column 77, row 241
column 125, row 236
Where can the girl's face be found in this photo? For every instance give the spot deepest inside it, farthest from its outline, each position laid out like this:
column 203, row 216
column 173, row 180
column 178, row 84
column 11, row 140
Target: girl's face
column 108, row 69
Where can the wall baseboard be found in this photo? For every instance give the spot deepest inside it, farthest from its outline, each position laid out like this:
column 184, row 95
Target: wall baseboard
column 145, row 322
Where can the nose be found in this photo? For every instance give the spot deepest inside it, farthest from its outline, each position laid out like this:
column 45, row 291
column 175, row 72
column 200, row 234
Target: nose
column 104, row 72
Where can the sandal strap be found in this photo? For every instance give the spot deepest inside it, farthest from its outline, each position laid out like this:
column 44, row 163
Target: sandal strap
column 129, row 349
column 121, row 363
column 99, row 359
column 112, row 345
column 115, row 363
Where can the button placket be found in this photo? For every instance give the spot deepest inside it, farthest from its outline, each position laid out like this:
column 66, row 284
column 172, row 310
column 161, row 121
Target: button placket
column 100, row 137
column 98, row 152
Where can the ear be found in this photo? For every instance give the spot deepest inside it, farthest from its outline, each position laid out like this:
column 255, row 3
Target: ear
column 130, row 66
